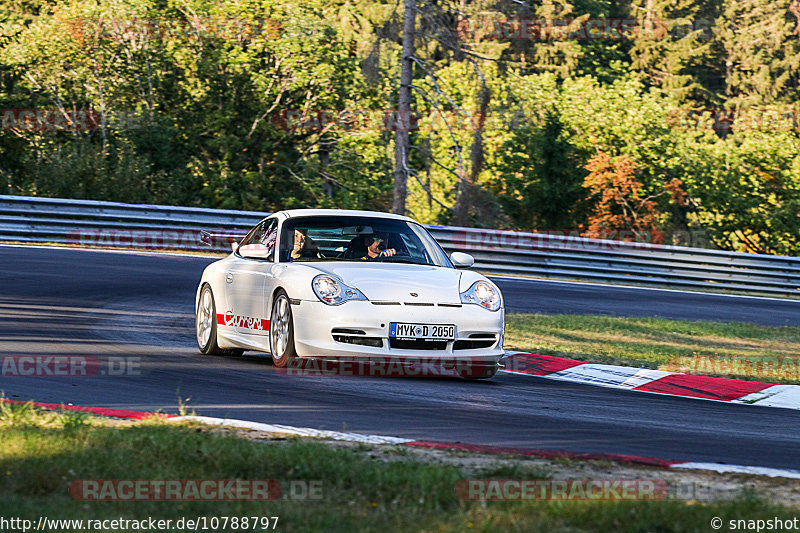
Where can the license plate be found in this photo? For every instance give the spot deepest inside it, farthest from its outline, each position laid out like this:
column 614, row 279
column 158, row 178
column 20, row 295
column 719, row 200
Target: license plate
column 428, row 332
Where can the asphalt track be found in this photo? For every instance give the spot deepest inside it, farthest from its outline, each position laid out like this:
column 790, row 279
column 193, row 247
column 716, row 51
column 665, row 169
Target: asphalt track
column 139, row 306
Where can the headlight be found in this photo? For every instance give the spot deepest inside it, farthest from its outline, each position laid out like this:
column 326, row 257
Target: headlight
column 483, row 294
column 333, row 292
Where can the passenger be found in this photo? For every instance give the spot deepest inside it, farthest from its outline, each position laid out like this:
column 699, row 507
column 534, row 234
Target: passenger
column 304, row 246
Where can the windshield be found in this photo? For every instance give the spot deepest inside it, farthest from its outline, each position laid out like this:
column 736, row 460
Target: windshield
column 344, row 238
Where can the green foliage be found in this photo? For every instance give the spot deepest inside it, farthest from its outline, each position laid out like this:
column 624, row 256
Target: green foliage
column 540, row 180
column 218, row 104
column 747, row 187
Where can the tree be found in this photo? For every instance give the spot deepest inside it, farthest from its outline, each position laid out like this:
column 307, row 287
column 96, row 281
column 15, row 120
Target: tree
column 760, row 48
column 540, row 181
column 673, row 42
column 621, row 207
column 402, row 135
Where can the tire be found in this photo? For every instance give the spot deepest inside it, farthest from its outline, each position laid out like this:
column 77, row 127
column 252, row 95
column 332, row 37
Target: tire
column 205, row 325
column 281, row 330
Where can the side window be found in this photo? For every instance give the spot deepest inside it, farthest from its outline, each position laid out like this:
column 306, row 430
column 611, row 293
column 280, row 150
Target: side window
column 252, row 237
column 270, row 236
column 260, row 242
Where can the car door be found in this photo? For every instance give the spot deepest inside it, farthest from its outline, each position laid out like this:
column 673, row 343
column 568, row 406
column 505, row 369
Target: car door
column 247, row 278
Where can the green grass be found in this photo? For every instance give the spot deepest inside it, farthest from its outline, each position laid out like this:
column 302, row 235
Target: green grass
column 743, row 351
column 41, row 453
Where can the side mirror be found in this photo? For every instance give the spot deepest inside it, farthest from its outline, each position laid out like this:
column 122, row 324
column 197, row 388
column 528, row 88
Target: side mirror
column 256, row 251
column 462, row 260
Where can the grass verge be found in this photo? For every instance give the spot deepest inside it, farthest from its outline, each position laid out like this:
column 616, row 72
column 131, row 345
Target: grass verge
column 42, row 453
column 735, row 350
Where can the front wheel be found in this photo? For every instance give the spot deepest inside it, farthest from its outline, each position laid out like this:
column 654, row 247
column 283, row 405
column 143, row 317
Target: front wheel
column 206, row 325
column 281, row 331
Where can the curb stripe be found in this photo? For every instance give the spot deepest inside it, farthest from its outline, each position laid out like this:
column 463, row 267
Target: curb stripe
column 102, row 411
column 654, row 381
column 541, row 365
column 703, row 387
column 380, row 439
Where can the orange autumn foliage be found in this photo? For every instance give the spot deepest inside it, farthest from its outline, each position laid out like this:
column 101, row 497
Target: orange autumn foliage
column 619, row 206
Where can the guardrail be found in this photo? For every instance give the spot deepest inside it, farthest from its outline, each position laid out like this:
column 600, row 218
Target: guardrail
column 118, row 225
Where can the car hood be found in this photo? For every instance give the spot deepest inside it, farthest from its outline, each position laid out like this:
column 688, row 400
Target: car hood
column 395, row 282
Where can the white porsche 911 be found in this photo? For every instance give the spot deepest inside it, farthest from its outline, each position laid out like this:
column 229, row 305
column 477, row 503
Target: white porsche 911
column 312, row 283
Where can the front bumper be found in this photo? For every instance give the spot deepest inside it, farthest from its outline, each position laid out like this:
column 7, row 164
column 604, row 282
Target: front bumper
column 315, row 325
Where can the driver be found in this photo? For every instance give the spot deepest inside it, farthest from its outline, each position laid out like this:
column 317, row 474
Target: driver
column 376, row 247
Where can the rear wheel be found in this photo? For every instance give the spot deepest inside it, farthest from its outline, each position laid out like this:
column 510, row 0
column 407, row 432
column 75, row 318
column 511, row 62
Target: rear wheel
column 206, row 325
column 281, row 330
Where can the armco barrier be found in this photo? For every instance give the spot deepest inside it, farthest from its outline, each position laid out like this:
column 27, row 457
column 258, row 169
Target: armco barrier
column 91, row 223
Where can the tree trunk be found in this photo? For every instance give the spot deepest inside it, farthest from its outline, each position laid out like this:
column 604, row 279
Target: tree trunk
column 462, row 210
column 324, row 162
column 402, row 142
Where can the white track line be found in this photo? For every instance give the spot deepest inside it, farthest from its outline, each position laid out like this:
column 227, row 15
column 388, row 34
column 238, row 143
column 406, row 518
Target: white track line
column 292, row 430
column 380, row 439
column 741, row 469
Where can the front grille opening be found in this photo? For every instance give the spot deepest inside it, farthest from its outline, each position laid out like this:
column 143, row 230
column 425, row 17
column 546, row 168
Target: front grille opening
column 481, row 340
column 375, row 342
column 401, row 344
column 347, row 331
